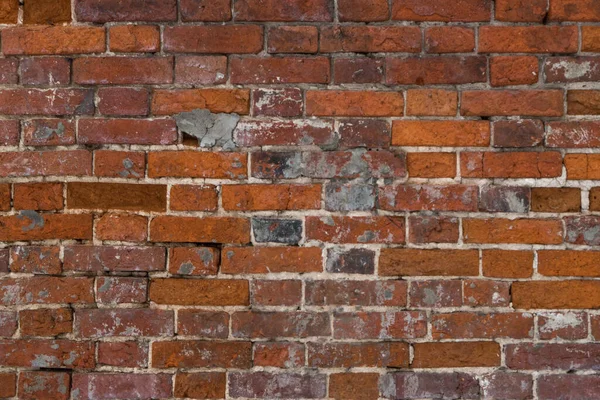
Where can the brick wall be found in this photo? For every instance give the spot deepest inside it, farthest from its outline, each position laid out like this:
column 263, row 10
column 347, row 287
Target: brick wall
column 344, row 199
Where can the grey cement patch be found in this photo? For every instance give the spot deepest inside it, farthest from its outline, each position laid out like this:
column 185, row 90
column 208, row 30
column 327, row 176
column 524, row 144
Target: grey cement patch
column 212, row 130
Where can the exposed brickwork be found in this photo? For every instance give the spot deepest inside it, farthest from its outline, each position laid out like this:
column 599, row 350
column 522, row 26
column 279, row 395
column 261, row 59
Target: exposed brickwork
column 299, row 199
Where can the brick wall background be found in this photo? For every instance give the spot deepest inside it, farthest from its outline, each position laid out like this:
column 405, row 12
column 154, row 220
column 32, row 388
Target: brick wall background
column 407, row 208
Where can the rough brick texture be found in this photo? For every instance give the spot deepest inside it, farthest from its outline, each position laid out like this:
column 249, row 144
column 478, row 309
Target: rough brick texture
column 299, row 199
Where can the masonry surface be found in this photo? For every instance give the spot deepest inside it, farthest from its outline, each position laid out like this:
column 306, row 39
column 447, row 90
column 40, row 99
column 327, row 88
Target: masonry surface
column 299, row 199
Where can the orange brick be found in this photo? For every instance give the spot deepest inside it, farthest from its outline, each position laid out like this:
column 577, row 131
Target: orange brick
column 122, row 227
column 53, row 40
column 193, row 198
column 528, row 39
column 271, row 197
column 507, row 263
column 546, row 164
column 500, row 230
column 456, row 354
column 354, row 104
column 262, row 260
column 436, row 102
column 201, row 230
column 556, row 294
column 440, row 133
column 134, row 38
column 534, row 103
column 417, row 262
column 431, row 165
column 168, row 102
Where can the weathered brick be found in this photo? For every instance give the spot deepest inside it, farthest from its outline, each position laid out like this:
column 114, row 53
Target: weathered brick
column 466, row 325
column 456, row 354
column 43, row 353
column 380, row 325
column 421, row 262
column 355, row 229
column 348, row 355
column 293, row 39
column 449, row 39
column 279, row 354
column 533, row 103
column 36, row 260
column 370, row 39
column 9, row 74
column 514, row 199
column 213, row 39
column 354, row 103
column 570, row 356
column 123, row 354
column 262, row 260
column 440, row 133
column 46, row 290
column 252, row 324
column 49, row 132
column 356, row 293
column 571, row 69
column 450, row 11
column 435, row 293
column 352, row 261
column 134, row 38
column 486, row 293
column 121, row 385
column 102, row 11
column 9, row 133
column 22, row 101
column 271, row 385
column 46, row 163
column 580, row 134
column 122, row 102
column 117, row 290
column 119, row 164
column 201, row 385
column 507, row 385
column 545, row 164
column 127, row 131
column 358, row 70
column 276, row 292
column 582, row 230
column 39, row 40
column 51, row 71
column 293, row 10
column 418, row 385
column 428, row 197
column 285, row 102
column 564, row 325
column 123, row 322
column 200, row 70
column 552, row 387
column 193, row 260
column 38, row 196
column 269, row 230
column 8, row 323
column 518, row 133
column 213, row 292
column 108, row 258
column 349, row 196
column 556, row 294
column 44, row 385
column 211, row 324
column 200, row 230
column 30, row 225
column 507, row 263
column 432, row 229
column 434, row 70
column 257, row 132
column 122, row 227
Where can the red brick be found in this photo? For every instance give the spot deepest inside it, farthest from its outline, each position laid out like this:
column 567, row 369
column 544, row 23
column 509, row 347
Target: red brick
column 556, row 294
column 9, row 14
column 258, row 132
column 486, row 293
column 293, row 39
column 29, row 225
column 285, row 102
column 513, row 70
column 121, row 385
column 193, row 260
column 46, row 322
column 360, row 11
column 201, row 354
column 456, row 354
column 428, row 197
column 8, row 324
column 573, row 10
column 123, row 322
column 123, row 354
column 518, row 133
column 358, row 70
column 118, row 290
column 51, row 71
column 123, row 101
column 193, row 198
column 276, row 292
column 36, row 260
column 298, row 324
column 431, row 102
column 378, row 325
column 433, row 229
column 440, row 133
column 213, row 39
column 49, row 132
column 448, row 11
column 435, row 294
column 193, row 164
column 38, row 196
column 370, row 39
column 44, row 385
column 364, row 133
column 206, row 229
column 435, row 70
column 271, row 197
column 355, row 229
column 122, row 227
column 202, row 385
column 127, row 131
column 42, row 353
column 168, row 102
column 205, row 10
column 354, row 103
column 582, row 166
column 283, row 385
column 528, row 39
column 134, row 38
column 119, row 164
column 551, row 387
column 534, row 103
column 275, row 70
column 200, row 70
column 421, row 262
column 354, row 386
column 571, row 69
column 279, row 354
column 8, row 381
column 9, row 132
column 96, row 259
column 356, row 293
column 507, row 263
column 52, row 40
column 292, row 10
column 449, row 39
column 9, row 74
column 564, row 325
column 546, row 164
column 523, row 230
column 521, row 10
column 101, row 11
column 467, row 325
column 46, row 101
column 122, row 70
column 567, row 356
column 262, row 260
column 431, row 165
column 210, row 324
column 349, row 355
column 213, row 292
